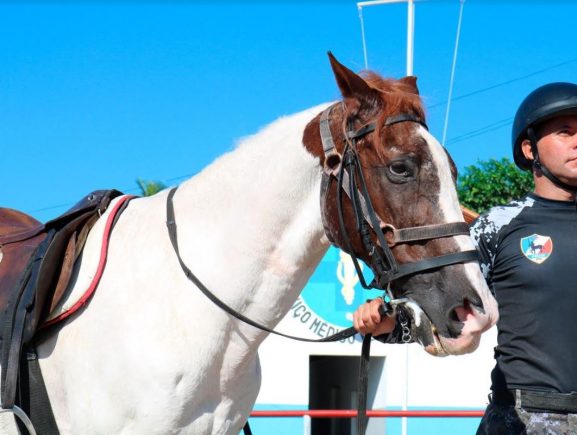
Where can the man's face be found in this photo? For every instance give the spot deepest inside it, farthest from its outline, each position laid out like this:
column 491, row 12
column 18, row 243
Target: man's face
column 557, row 146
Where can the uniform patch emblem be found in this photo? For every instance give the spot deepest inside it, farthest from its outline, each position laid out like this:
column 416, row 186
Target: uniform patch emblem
column 537, row 248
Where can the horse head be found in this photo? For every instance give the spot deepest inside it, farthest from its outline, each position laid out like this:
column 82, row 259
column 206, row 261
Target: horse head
column 389, row 198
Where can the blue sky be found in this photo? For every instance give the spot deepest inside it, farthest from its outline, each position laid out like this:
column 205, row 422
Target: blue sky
column 97, row 94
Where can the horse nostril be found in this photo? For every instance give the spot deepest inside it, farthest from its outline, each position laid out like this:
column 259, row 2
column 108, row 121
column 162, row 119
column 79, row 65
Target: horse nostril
column 453, row 316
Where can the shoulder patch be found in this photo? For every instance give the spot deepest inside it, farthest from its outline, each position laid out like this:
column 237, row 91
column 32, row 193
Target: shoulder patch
column 537, row 248
column 489, row 224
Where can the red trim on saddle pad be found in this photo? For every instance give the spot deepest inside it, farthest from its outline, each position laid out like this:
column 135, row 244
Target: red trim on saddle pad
column 101, row 264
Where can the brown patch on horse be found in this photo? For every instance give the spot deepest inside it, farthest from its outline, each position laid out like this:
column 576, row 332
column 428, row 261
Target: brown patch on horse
column 377, row 96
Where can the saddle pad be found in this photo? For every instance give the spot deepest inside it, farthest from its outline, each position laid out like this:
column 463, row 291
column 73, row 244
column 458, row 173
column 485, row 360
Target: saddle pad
column 91, row 262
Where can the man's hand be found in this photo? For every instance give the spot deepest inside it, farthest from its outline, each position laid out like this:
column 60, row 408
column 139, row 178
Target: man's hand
column 368, row 320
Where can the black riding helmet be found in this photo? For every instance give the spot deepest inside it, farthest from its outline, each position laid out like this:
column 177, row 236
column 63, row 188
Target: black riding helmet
column 546, row 102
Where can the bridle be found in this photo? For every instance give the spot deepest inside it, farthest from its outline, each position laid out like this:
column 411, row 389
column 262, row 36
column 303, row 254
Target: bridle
column 345, row 169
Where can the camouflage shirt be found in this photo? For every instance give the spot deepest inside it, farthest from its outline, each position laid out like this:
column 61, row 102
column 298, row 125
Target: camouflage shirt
column 528, row 255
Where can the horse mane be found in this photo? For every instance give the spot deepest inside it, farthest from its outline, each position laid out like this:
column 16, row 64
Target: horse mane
column 398, row 96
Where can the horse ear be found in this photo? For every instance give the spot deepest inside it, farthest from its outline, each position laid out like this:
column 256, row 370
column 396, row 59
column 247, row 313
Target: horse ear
column 411, row 81
column 350, row 84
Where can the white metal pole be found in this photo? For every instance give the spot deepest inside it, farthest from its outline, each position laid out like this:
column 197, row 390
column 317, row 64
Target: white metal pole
column 406, row 396
column 378, row 2
column 307, row 425
column 410, row 35
column 363, row 36
column 410, row 28
column 451, row 82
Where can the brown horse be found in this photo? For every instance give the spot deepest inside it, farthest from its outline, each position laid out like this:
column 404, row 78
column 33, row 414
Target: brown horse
column 150, row 354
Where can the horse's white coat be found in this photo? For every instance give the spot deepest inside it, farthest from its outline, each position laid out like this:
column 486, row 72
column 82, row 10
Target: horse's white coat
column 150, row 354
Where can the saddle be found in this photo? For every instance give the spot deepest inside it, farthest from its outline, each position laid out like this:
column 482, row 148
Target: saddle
column 36, row 263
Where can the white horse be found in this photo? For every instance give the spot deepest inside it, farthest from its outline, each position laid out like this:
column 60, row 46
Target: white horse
column 150, row 354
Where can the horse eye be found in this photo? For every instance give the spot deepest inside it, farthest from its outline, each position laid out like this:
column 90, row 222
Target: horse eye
column 400, row 169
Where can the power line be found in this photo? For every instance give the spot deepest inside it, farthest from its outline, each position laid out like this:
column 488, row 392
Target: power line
column 452, row 81
column 504, row 122
column 480, row 131
column 167, row 181
column 507, row 82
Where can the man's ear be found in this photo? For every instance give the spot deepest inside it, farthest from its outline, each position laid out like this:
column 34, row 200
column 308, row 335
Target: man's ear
column 527, row 150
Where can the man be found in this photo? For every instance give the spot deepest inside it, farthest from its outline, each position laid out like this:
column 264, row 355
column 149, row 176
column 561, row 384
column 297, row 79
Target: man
column 528, row 254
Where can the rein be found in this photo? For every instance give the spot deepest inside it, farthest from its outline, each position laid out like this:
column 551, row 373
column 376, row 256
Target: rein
column 172, row 233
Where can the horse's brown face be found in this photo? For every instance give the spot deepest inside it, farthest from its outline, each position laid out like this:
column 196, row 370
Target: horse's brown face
column 410, row 180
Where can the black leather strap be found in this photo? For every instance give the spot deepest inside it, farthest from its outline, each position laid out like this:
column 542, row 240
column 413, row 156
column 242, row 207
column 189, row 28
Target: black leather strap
column 369, row 128
column 246, row 429
column 34, row 397
column 402, row 117
column 436, row 262
column 362, row 418
column 13, row 332
column 171, row 224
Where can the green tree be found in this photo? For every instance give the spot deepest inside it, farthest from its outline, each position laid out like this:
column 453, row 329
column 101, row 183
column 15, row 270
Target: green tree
column 149, row 188
column 492, row 182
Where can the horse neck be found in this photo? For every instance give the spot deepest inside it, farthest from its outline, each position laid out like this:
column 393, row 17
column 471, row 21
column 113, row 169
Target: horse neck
column 257, row 210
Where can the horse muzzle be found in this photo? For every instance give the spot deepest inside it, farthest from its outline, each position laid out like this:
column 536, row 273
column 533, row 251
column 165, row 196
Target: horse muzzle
column 473, row 320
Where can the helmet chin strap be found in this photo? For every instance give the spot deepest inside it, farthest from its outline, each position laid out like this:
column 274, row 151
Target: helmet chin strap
column 537, row 163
